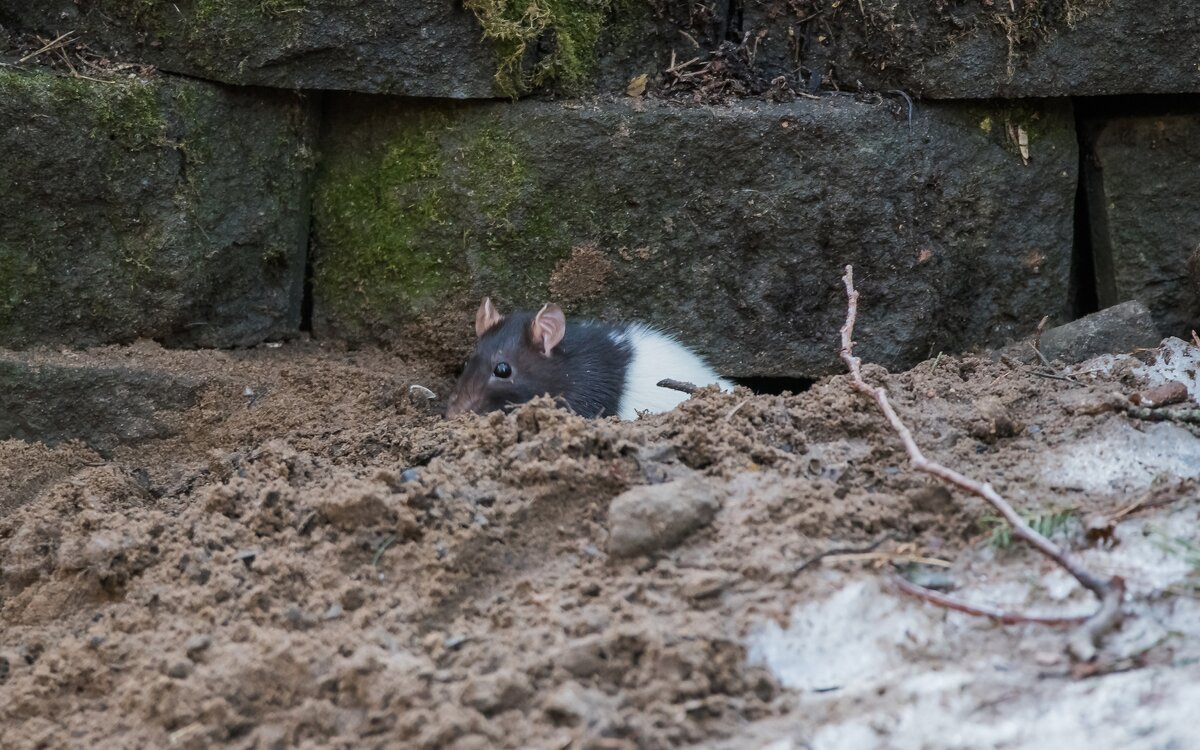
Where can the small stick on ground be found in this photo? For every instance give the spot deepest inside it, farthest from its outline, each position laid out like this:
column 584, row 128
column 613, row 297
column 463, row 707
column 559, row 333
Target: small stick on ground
column 57, row 42
column 1001, row 616
column 1037, row 337
column 1184, row 416
column 1082, row 644
column 677, row 385
column 892, row 557
column 736, row 409
column 840, row 551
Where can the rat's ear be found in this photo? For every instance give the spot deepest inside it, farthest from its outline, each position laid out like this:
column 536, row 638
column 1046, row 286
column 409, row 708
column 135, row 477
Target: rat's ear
column 486, row 316
column 549, row 327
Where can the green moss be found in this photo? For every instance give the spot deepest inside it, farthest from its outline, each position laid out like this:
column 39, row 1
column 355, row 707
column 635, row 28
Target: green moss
column 415, row 209
column 570, row 27
column 523, row 233
column 522, row 256
column 132, row 113
column 494, row 169
column 125, row 110
column 375, row 207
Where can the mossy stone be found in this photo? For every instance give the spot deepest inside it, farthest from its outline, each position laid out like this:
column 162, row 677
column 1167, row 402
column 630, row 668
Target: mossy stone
column 152, row 207
column 727, row 226
column 478, row 49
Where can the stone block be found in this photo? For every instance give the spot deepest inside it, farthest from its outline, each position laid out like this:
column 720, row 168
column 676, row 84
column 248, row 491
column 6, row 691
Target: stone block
column 728, row 226
column 981, row 50
column 1144, row 223
column 420, row 48
column 161, row 208
column 104, row 407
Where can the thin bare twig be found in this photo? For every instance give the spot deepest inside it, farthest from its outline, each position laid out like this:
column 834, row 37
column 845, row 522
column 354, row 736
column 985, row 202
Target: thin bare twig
column 840, row 551
column 1037, row 336
column 1183, row 416
column 892, row 557
column 677, row 385
column 58, row 41
column 736, row 409
column 999, row 615
column 1109, row 592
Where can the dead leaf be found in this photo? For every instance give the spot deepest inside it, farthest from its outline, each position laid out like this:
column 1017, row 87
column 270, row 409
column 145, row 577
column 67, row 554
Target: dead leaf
column 637, row 86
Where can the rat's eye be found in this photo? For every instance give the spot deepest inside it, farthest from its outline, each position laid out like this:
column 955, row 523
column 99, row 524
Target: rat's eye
column 503, row 370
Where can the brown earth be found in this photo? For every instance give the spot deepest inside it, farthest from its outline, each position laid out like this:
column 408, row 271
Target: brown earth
column 317, row 561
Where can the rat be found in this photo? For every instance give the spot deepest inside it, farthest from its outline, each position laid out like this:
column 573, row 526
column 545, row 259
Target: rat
column 598, row 369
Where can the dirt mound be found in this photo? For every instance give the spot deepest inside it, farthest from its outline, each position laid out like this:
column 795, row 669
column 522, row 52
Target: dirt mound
column 314, row 560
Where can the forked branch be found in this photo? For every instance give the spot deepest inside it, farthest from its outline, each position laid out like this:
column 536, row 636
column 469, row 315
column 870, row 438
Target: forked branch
column 1082, row 644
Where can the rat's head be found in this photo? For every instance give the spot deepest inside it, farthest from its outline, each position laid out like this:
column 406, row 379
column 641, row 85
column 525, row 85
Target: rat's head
column 513, row 360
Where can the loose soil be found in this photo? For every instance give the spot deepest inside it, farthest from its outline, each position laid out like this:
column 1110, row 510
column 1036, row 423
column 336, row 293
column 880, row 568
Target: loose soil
column 316, row 560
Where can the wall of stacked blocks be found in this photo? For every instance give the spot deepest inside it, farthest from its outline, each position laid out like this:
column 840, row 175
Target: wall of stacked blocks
column 220, row 173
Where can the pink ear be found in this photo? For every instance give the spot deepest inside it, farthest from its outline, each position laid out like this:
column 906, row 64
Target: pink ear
column 549, row 327
column 486, row 316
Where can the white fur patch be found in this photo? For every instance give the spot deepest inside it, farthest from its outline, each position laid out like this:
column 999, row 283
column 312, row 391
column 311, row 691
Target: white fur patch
column 657, row 356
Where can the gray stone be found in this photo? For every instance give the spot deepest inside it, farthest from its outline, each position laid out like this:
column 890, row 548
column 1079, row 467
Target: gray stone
column 1141, row 180
column 728, row 226
column 160, row 208
column 981, row 50
column 196, row 645
column 101, row 406
column 1115, row 330
column 650, row 518
column 412, row 47
column 439, row 48
column 426, row 48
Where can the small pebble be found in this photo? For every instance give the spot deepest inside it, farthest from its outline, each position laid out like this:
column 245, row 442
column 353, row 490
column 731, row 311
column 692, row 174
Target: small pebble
column 196, row 644
column 298, row 617
column 420, row 394
column 410, row 475
column 179, row 670
column 938, row 580
column 353, row 598
column 335, row 611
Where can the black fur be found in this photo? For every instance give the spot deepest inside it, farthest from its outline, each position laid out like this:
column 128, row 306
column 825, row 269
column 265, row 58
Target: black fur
column 586, row 370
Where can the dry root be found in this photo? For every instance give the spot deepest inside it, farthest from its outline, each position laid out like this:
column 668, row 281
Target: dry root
column 1083, row 642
